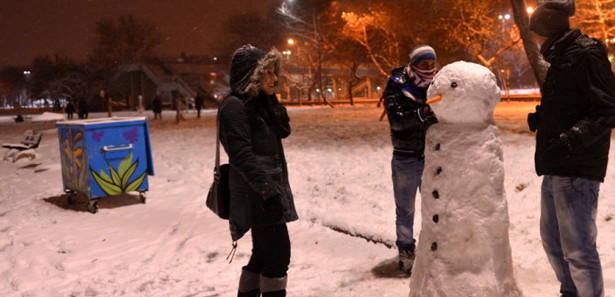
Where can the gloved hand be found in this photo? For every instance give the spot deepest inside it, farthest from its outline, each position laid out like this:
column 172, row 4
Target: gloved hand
column 534, row 118
column 273, row 209
column 426, row 115
column 559, row 147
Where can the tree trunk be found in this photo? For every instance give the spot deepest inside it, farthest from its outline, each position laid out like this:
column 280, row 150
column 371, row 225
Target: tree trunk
column 352, row 81
column 532, row 49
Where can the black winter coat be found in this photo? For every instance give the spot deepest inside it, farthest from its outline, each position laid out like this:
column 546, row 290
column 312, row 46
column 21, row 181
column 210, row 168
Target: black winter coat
column 407, row 130
column 578, row 98
column 251, row 131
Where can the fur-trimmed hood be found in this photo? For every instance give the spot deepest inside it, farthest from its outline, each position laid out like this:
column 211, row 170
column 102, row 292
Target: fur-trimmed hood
column 248, row 68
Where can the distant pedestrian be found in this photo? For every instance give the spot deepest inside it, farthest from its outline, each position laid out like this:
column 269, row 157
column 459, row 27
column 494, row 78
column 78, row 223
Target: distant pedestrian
column 179, row 105
column 82, row 108
column 57, row 107
column 198, row 104
column 157, row 107
column 140, row 102
column 70, row 108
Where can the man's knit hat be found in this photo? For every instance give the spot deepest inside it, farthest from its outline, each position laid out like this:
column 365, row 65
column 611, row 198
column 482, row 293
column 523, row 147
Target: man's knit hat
column 551, row 17
column 248, row 68
column 421, row 53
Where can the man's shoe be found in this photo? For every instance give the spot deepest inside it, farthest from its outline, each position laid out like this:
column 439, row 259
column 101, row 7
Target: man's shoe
column 406, row 260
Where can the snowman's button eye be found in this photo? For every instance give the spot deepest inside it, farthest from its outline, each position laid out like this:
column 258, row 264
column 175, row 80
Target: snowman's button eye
column 454, row 84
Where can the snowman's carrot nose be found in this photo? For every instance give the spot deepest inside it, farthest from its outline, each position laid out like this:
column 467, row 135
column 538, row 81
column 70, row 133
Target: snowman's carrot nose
column 434, row 99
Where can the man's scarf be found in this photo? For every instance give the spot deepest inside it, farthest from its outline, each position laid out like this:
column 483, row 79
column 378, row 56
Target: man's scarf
column 420, row 78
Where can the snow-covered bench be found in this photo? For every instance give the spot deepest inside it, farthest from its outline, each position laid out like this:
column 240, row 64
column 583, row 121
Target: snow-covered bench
column 30, row 141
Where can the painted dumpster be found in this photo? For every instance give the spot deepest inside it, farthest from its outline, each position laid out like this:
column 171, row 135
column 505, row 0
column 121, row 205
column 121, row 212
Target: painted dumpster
column 105, row 157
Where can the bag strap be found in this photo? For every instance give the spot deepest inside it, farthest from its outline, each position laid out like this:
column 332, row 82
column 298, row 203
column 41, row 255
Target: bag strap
column 217, row 165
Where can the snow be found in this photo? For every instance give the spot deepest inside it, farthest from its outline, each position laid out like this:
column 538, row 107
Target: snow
column 339, row 162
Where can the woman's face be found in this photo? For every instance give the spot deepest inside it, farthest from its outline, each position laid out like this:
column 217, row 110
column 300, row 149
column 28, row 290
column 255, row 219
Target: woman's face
column 270, row 81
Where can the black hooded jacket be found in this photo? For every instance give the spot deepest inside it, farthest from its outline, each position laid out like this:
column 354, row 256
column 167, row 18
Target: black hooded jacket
column 578, row 99
column 252, row 125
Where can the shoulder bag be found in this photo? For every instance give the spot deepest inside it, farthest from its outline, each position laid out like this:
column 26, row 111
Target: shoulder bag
column 219, row 197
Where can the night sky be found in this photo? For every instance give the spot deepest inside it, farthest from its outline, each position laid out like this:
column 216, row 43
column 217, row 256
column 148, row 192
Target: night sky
column 29, row 28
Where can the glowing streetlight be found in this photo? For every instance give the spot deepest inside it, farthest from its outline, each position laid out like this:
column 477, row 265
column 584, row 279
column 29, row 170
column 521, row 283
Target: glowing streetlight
column 290, row 41
column 504, row 17
column 530, row 10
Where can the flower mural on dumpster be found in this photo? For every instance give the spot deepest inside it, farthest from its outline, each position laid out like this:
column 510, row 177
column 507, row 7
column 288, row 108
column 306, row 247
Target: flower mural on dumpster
column 74, row 160
column 119, row 180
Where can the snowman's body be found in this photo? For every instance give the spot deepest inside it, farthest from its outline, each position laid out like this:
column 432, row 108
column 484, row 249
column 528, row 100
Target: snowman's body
column 463, row 247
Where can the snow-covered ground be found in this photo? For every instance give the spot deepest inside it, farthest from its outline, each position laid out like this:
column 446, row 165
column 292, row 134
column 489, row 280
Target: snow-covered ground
column 339, row 162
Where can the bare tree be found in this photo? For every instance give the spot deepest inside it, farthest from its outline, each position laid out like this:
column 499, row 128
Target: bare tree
column 123, row 40
column 248, row 27
column 388, row 30
column 309, row 22
column 12, row 81
column 348, row 55
column 57, row 77
column 371, row 30
column 476, row 27
column 597, row 19
column 532, row 49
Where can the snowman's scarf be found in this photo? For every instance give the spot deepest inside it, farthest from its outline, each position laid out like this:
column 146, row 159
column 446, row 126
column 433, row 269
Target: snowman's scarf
column 420, row 78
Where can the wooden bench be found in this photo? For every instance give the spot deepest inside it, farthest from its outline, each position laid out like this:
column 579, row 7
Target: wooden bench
column 31, row 140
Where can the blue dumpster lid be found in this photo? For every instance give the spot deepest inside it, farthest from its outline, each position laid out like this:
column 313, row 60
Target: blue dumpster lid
column 106, row 122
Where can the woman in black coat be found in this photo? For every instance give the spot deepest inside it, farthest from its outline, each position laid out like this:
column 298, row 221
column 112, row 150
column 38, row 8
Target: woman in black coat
column 252, row 125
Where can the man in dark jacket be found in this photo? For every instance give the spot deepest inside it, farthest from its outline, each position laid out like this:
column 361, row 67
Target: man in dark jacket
column 157, row 107
column 409, row 116
column 198, row 104
column 82, row 108
column 252, row 125
column 573, row 131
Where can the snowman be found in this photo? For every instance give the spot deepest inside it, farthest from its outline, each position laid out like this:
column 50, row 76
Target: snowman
column 463, row 246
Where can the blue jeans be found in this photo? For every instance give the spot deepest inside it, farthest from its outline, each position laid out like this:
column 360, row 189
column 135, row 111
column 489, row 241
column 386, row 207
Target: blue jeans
column 407, row 173
column 568, row 231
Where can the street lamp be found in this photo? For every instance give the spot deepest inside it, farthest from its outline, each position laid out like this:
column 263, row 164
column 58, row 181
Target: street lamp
column 504, row 18
column 19, row 117
column 26, row 74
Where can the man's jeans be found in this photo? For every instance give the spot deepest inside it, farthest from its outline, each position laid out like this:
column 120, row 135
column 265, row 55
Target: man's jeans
column 568, row 231
column 407, row 173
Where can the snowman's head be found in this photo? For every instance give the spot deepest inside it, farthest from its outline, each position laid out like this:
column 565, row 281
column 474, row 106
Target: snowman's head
column 469, row 94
